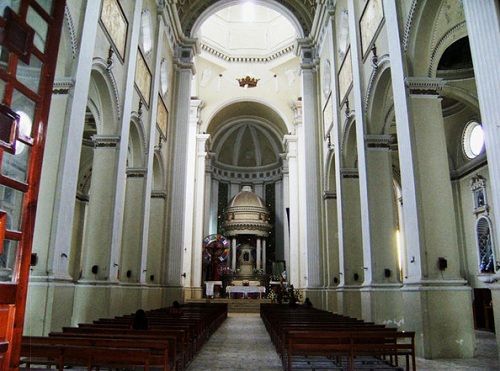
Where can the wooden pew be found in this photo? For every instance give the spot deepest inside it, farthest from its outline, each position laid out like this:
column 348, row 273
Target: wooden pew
column 308, row 332
column 87, row 356
column 160, row 355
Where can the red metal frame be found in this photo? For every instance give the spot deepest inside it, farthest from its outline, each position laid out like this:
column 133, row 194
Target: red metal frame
column 13, row 294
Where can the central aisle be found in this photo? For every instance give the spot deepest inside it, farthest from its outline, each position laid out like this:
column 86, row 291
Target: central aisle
column 241, row 343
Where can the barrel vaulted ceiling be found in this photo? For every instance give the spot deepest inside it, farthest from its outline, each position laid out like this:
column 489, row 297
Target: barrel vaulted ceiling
column 190, row 10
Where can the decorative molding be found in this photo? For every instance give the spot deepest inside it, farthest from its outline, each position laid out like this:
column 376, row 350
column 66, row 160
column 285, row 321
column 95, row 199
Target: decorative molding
column 136, row 172
column 329, row 195
column 159, row 194
column 376, row 73
column 101, row 65
column 459, row 28
column 62, row 86
column 347, row 173
column 239, row 59
column 71, row 31
column 424, row 85
column 380, row 141
column 103, row 141
column 409, row 25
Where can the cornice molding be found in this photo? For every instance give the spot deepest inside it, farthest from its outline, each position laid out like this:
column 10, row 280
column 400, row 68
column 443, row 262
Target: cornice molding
column 425, row 85
column 240, row 59
column 136, row 172
column 62, row 86
column 102, row 141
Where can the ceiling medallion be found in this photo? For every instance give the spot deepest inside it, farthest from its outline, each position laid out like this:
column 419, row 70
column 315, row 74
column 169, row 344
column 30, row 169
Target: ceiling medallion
column 248, row 82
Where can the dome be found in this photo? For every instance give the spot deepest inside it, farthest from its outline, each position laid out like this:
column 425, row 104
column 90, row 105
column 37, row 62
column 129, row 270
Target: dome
column 246, row 198
column 246, row 213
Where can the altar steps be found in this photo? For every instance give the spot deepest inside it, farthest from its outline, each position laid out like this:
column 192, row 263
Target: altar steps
column 235, row 305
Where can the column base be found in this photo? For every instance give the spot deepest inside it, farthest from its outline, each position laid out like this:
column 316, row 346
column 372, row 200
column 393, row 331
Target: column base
column 442, row 319
column 192, row 293
column 382, row 304
column 349, row 301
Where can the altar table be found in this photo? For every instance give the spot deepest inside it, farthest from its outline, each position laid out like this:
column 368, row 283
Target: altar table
column 245, row 290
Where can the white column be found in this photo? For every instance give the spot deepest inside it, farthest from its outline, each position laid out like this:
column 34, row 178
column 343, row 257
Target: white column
column 432, row 299
column 189, row 241
column 97, row 243
column 278, row 221
column 259, row 253
column 259, row 190
column 360, row 141
column 156, row 246
column 310, row 238
column 407, row 160
column 133, row 221
column 180, row 165
column 293, row 266
column 121, row 176
column 208, row 197
column 199, row 201
column 283, row 211
column 233, row 254
column 148, row 201
column 483, row 27
column 69, row 158
column 214, row 204
column 264, row 257
column 336, row 137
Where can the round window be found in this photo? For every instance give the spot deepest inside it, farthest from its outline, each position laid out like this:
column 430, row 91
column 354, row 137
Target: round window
column 473, row 139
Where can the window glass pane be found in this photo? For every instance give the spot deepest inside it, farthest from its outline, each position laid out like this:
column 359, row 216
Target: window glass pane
column 40, row 26
column 8, row 260
column 11, row 201
column 16, row 166
column 477, row 140
column 13, row 4
column 46, row 5
column 4, row 58
column 2, row 89
column 30, row 75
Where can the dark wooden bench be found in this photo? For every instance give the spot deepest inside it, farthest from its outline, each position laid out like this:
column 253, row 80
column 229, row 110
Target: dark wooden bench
column 160, row 355
column 86, row 356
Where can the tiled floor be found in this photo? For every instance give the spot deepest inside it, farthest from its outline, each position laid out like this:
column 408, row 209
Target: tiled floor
column 242, row 343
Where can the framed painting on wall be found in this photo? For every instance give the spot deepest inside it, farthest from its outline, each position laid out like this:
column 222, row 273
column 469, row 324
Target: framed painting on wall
column 115, row 24
column 142, row 78
column 162, row 116
column 370, row 24
column 345, row 77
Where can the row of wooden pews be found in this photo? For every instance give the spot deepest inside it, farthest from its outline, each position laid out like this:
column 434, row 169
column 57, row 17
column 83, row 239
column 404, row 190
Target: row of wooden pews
column 307, row 332
column 172, row 339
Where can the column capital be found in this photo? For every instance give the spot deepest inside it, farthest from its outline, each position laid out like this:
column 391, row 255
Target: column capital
column 159, row 194
column 424, row 85
column 386, row 142
column 290, row 142
column 201, row 143
column 307, row 51
column 297, row 112
column 63, row 86
column 105, row 140
column 195, row 107
column 184, row 53
column 136, row 172
column 329, row 195
column 349, row 173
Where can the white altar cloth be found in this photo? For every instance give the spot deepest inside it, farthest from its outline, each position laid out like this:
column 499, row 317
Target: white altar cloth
column 209, row 287
column 245, row 290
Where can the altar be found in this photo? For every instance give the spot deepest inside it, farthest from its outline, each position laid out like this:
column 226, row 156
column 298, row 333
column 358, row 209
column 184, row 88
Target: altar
column 245, row 290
